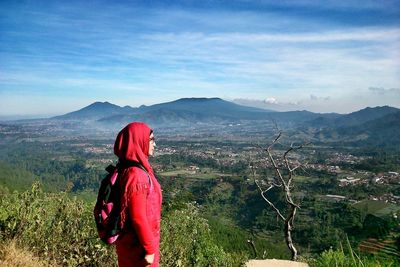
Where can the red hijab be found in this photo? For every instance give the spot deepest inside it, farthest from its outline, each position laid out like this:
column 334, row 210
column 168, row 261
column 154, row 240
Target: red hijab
column 132, row 143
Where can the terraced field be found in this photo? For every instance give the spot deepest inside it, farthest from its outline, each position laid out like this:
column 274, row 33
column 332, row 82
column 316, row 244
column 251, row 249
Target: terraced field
column 381, row 247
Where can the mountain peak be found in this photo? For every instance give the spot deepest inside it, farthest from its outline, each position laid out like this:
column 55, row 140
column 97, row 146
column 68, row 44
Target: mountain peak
column 378, row 108
column 101, row 104
column 94, row 111
column 377, row 111
column 197, row 99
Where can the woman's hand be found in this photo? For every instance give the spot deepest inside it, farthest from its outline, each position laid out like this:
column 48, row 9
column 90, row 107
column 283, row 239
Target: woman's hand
column 149, row 259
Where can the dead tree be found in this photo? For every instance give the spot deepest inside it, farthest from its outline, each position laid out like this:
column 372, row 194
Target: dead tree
column 283, row 181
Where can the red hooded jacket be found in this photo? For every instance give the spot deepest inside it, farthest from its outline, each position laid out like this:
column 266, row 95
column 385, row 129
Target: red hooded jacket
column 140, row 201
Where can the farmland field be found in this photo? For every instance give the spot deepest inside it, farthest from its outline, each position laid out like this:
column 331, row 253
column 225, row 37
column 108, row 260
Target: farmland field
column 377, row 208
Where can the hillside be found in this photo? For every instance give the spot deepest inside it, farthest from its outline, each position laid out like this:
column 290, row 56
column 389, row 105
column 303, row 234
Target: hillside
column 379, row 129
column 363, row 116
column 352, row 119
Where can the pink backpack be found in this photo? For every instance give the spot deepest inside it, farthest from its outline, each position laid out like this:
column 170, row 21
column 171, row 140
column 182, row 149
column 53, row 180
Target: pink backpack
column 107, row 209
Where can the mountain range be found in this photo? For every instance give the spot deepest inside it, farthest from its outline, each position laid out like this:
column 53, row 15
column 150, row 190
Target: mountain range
column 376, row 126
column 187, row 111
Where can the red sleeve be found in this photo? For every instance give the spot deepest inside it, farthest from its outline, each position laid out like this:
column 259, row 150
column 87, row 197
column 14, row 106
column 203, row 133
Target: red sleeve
column 138, row 217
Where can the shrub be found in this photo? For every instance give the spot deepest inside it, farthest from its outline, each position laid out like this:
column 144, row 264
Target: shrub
column 53, row 226
column 186, row 241
column 340, row 258
column 61, row 230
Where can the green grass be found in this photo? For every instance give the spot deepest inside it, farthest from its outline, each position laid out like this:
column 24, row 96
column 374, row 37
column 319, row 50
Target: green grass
column 305, row 179
column 175, row 173
column 377, row 208
column 192, row 174
column 347, row 257
column 388, row 210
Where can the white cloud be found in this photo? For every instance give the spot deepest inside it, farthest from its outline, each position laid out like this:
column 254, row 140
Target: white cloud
column 145, row 56
column 271, row 100
column 347, row 103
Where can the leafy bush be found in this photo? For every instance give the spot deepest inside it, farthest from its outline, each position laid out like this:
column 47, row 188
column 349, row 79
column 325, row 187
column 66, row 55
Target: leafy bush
column 61, row 230
column 53, row 226
column 186, row 241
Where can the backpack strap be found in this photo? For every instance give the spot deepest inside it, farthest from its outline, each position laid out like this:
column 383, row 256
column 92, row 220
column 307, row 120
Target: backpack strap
column 110, row 168
column 124, row 164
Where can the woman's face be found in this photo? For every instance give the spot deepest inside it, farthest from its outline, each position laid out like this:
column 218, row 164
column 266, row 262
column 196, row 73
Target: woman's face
column 152, row 144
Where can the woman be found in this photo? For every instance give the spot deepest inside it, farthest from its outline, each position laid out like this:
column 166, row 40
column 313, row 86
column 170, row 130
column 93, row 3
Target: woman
column 140, row 198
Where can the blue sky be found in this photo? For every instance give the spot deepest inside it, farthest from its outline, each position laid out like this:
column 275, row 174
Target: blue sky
column 323, row 56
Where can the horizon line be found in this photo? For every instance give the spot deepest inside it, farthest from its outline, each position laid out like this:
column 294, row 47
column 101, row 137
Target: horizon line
column 22, row 117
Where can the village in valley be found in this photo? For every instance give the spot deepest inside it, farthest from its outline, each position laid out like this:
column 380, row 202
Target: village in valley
column 224, row 156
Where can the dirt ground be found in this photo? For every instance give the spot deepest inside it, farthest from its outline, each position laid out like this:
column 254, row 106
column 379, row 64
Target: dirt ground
column 275, row 263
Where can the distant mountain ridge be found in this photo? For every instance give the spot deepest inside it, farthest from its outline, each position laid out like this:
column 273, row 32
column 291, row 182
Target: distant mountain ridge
column 97, row 110
column 190, row 109
column 379, row 127
column 182, row 108
column 354, row 118
column 216, row 109
column 374, row 126
column 380, row 131
column 207, row 105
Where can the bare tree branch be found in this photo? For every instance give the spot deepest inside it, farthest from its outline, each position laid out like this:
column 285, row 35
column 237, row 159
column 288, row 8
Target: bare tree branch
column 284, row 182
column 264, row 197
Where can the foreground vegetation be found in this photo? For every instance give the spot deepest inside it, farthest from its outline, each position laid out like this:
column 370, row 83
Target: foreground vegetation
column 61, row 230
column 53, row 229
column 349, row 258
